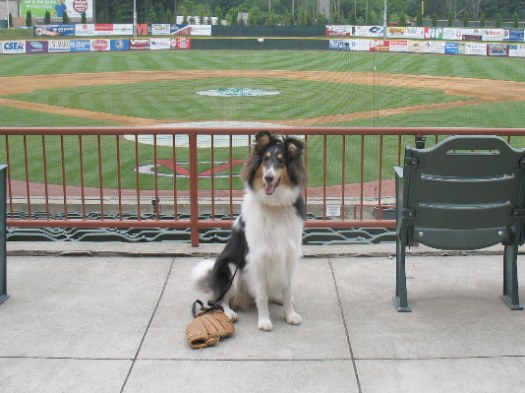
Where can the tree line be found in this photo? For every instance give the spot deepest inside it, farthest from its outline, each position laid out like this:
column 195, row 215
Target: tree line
column 308, row 12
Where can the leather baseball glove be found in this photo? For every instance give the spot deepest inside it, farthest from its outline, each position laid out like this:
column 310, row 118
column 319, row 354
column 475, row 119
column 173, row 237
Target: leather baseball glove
column 208, row 327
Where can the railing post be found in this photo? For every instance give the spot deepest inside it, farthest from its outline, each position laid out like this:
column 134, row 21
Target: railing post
column 3, row 234
column 194, row 191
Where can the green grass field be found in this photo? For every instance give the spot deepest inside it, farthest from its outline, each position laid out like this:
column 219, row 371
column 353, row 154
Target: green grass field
column 176, row 100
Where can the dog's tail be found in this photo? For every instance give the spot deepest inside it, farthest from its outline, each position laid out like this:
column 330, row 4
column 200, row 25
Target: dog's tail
column 201, row 275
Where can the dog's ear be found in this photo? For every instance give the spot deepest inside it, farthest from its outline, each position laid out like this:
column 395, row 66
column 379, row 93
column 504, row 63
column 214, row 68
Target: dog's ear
column 294, row 147
column 263, row 139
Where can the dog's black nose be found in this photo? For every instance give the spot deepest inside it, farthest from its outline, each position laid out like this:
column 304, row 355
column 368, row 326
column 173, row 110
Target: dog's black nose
column 268, row 178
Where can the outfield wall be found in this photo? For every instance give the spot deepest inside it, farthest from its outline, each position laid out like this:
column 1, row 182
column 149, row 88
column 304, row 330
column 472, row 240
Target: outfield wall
column 98, row 37
column 14, row 47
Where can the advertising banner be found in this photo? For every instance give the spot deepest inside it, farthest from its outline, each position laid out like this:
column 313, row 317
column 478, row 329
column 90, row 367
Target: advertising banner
column 415, row 32
column 109, row 29
column 398, row 46
column 180, row 43
column 100, row 45
column 159, row 43
column 450, row 33
column 36, row 47
column 379, row 46
column 139, row 44
column 396, row 32
column 80, row 46
column 54, row 30
column 56, row 8
column 434, row 33
column 339, row 44
column 202, row 30
column 517, row 50
column 452, row 48
column 119, row 44
column 478, row 49
column 85, row 30
column 437, row 47
column 514, row 35
column 56, row 46
column 353, row 31
column 160, row 29
column 13, row 47
column 497, row 50
column 353, row 45
column 416, row 46
column 339, row 30
column 103, row 29
column 492, row 34
column 177, row 29
column 370, row 31
column 471, row 37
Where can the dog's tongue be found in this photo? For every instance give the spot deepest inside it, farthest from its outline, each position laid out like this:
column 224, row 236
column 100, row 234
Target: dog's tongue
column 269, row 189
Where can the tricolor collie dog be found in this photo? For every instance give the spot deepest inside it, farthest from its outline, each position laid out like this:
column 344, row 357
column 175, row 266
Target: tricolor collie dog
column 265, row 243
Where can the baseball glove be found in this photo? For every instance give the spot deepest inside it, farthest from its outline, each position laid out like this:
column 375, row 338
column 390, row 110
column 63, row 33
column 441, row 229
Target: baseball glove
column 208, row 327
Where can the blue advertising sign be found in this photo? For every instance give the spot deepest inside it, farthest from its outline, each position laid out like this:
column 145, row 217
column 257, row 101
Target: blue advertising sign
column 451, row 48
column 119, row 45
column 80, row 46
column 54, row 30
column 514, row 35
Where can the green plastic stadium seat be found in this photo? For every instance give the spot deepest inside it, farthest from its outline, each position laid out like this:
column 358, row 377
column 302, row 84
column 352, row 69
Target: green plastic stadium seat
column 464, row 193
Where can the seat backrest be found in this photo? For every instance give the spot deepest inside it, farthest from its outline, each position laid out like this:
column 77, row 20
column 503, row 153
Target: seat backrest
column 466, row 192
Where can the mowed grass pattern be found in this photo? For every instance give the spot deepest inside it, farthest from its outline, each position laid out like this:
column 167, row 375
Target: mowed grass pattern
column 178, row 101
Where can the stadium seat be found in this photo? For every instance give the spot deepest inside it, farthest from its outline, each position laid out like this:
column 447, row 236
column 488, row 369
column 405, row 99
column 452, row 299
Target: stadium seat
column 464, row 193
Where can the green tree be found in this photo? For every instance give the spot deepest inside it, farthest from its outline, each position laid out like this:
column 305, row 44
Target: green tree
column 353, row 18
column 151, row 16
column 482, row 19
column 102, row 18
column 29, row 19
column 515, row 20
column 254, row 16
column 419, row 19
column 498, row 19
column 168, row 17
column 402, row 19
column 450, row 19
column 47, row 18
column 465, row 18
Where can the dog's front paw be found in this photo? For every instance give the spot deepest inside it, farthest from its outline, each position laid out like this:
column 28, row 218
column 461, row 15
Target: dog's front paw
column 294, row 319
column 265, row 325
column 231, row 314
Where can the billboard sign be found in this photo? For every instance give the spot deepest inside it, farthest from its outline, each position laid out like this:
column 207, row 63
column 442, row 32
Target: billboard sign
column 74, row 8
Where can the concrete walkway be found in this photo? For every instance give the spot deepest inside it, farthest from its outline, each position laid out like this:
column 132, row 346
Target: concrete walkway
column 110, row 317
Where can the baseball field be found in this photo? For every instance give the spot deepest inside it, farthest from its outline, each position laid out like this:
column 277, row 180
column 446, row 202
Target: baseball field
column 321, row 88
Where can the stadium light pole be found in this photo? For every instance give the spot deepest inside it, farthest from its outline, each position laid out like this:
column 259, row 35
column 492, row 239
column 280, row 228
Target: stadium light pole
column 134, row 18
column 384, row 18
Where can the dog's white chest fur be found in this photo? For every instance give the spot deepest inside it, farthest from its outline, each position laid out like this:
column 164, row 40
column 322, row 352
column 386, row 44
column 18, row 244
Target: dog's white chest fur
column 274, row 236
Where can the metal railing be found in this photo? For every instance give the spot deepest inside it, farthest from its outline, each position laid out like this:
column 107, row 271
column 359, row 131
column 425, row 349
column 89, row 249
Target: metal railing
column 170, row 177
column 3, row 251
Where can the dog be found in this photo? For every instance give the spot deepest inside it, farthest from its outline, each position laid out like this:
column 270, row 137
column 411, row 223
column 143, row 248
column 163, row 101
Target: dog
column 258, row 261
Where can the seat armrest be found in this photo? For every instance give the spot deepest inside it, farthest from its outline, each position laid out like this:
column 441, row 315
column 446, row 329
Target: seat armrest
column 398, row 171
